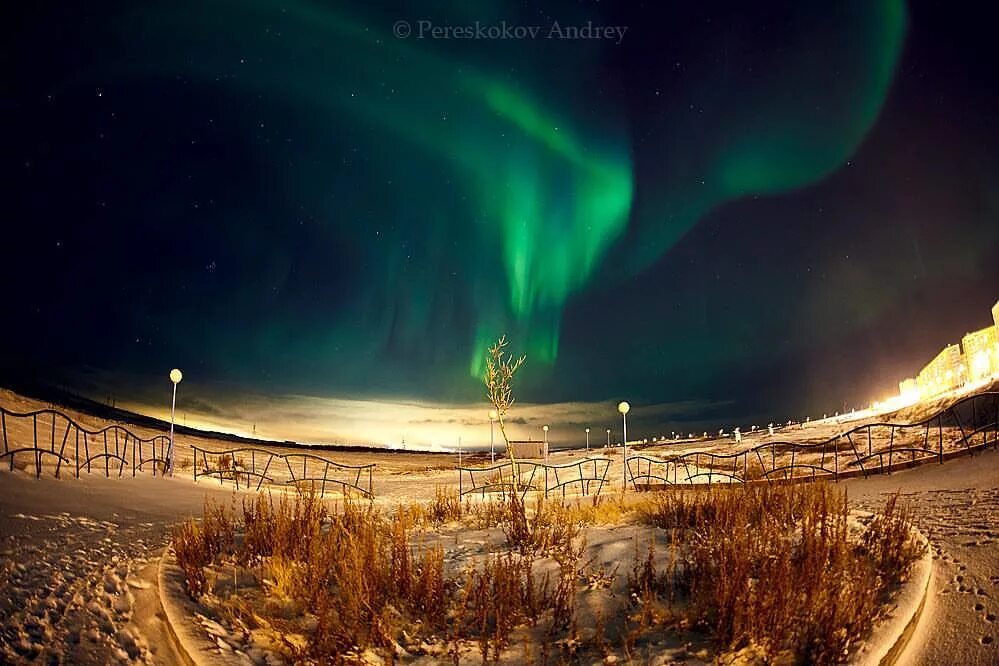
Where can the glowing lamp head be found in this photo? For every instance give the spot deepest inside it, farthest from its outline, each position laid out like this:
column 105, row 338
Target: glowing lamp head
column 623, row 407
column 493, row 415
column 545, row 428
column 587, row 431
column 176, row 375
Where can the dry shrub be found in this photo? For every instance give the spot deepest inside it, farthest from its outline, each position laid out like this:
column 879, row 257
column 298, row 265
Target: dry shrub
column 603, row 510
column 430, row 589
column 890, row 542
column 775, row 566
column 497, row 598
column 645, row 582
column 770, row 566
column 218, row 529
column 505, row 593
column 348, row 579
column 488, row 514
column 445, row 507
column 356, row 569
column 285, row 529
column 198, row 545
column 258, row 528
column 282, row 574
column 192, row 555
column 553, row 529
column 516, row 527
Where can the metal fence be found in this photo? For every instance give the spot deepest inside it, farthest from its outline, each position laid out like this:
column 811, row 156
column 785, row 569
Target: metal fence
column 291, row 469
column 50, row 435
column 970, row 424
column 581, row 474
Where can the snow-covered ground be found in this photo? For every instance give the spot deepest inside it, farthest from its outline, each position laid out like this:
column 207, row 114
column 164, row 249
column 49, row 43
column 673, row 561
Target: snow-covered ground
column 78, row 563
column 957, row 506
column 78, row 556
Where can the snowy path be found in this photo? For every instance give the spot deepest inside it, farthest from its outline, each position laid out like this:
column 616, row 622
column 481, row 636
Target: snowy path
column 957, row 507
column 78, row 567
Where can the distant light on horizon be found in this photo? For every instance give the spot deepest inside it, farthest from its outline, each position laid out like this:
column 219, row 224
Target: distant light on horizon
column 399, row 426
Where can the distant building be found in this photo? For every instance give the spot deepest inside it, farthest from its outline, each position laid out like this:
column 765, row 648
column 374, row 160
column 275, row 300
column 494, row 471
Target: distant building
column 941, row 374
column 980, row 355
column 975, row 359
column 528, row 450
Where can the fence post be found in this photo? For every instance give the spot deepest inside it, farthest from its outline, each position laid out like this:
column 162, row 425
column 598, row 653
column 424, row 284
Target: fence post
column 940, row 435
column 38, row 456
column 891, row 447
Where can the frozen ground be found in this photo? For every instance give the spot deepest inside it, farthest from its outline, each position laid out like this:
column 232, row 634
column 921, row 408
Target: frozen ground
column 78, row 556
column 78, row 567
column 957, row 507
column 78, row 576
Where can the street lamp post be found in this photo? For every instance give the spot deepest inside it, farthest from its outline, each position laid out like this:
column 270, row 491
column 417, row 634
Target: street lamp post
column 492, row 447
column 624, row 407
column 175, row 377
column 545, row 428
column 608, row 438
column 587, row 440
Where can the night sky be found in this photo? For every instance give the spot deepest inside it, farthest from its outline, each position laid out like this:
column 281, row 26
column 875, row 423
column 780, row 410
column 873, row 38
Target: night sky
column 762, row 208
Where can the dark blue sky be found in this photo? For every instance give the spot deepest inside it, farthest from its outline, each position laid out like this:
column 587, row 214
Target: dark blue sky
column 779, row 210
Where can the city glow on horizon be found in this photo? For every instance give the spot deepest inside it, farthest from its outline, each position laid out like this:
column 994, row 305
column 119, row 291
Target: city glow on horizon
column 392, row 425
column 957, row 368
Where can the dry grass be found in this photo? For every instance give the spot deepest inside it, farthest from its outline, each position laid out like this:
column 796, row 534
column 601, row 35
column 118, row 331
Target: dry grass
column 780, row 568
column 776, row 566
column 609, row 509
column 357, row 570
column 198, row 545
column 445, row 507
column 192, row 555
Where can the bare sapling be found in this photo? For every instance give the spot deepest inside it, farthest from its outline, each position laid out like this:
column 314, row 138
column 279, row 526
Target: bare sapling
column 500, row 369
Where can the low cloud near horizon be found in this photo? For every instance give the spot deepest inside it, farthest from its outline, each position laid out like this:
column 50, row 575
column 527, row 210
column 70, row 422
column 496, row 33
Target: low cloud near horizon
column 414, row 425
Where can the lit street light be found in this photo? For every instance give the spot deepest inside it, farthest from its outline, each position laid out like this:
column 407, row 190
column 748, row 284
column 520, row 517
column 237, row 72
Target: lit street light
column 587, row 440
column 492, row 447
column 624, row 407
column 175, row 377
column 545, row 428
column 608, row 438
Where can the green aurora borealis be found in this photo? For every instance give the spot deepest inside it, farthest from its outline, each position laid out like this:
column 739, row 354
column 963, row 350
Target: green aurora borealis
column 538, row 191
column 297, row 200
column 538, row 177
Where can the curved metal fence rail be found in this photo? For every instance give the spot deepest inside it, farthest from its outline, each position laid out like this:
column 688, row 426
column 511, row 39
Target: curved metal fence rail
column 47, row 434
column 535, row 476
column 970, row 424
column 294, row 469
